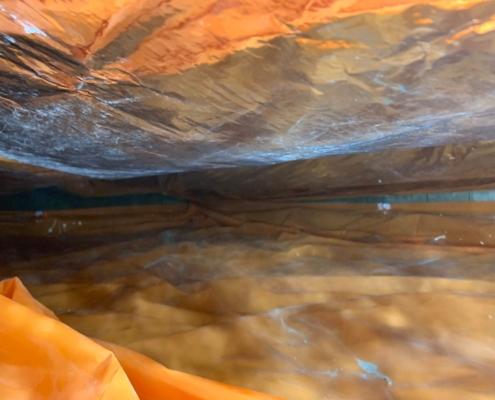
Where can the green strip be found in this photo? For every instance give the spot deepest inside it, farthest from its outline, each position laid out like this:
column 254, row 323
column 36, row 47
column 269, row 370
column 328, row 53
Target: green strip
column 56, row 199
column 475, row 196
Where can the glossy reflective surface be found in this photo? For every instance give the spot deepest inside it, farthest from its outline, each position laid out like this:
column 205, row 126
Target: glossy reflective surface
column 42, row 358
column 125, row 88
column 380, row 301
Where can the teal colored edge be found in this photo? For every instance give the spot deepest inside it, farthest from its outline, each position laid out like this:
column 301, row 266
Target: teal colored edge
column 488, row 195
column 57, row 199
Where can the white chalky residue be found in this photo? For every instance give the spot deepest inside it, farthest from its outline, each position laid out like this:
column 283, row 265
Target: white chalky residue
column 50, row 229
column 9, row 39
column 384, row 206
column 29, row 28
column 371, row 370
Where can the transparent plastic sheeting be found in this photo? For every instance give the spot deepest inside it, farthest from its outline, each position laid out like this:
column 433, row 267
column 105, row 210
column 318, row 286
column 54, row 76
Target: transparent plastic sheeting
column 132, row 88
column 303, row 302
column 45, row 359
column 440, row 168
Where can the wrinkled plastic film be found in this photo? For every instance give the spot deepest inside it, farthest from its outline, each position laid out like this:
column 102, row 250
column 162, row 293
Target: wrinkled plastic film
column 431, row 169
column 440, row 168
column 255, row 115
column 131, row 88
column 298, row 301
column 43, row 358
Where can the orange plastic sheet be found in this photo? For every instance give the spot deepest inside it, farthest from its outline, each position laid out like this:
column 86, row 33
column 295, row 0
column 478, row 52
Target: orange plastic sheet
column 42, row 358
column 301, row 301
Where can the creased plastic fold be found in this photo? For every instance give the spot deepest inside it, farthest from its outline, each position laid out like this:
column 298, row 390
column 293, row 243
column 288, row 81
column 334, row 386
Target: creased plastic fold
column 301, row 301
column 124, row 88
column 42, row 358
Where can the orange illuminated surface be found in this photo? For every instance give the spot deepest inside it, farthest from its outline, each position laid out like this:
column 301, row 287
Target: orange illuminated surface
column 42, row 358
column 478, row 28
column 176, row 35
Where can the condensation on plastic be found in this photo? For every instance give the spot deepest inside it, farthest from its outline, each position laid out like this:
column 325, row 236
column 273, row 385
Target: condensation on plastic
column 301, row 301
column 128, row 88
